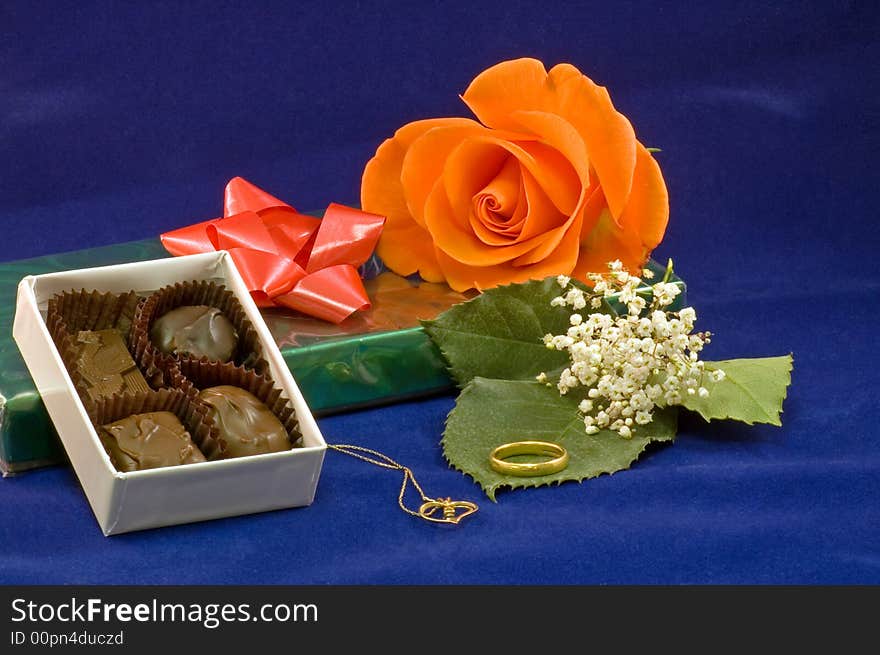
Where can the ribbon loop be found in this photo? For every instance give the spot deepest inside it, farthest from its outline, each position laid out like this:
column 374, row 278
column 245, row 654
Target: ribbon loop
column 346, row 236
column 241, row 196
column 287, row 258
column 332, row 294
column 244, row 230
column 188, row 240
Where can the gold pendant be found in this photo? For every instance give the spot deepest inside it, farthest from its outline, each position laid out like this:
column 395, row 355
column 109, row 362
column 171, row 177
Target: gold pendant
column 449, row 508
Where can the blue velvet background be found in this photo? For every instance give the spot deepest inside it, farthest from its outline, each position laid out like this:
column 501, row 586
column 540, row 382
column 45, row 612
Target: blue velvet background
column 118, row 122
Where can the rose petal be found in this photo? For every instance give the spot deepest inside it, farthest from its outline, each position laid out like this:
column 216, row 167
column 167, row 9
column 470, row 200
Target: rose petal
column 649, row 201
column 562, row 260
column 554, row 174
column 592, row 210
column 408, row 249
column 608, row 134
column 606, row 242
column 561, row 257
column 559, row 134
column 643, row 223
column 508, row 87
column 405, row 247
column 542, row 215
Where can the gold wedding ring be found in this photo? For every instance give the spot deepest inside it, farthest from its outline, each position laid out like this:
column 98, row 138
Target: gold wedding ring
column 558, row 461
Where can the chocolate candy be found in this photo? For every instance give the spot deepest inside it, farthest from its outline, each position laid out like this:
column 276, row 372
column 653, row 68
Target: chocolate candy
column 244, row 423
column 196, row 330
column 149, row 441
column 105, row 366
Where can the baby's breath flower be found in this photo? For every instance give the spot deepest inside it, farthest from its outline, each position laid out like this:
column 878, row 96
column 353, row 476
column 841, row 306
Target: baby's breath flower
column 630, row 363
column 575, row 298
column 643, row 417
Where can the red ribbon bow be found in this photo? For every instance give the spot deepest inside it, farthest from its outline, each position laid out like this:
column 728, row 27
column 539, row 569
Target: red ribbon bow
column 287, row 258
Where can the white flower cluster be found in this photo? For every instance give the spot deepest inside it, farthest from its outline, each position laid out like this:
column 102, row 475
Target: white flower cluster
column 633, row 362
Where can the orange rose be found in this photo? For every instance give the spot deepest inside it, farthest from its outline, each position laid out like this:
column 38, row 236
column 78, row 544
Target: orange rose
column 551, row 181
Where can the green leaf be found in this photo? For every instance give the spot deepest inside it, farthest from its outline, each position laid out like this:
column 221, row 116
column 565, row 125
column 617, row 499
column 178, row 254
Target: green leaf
column 489, row 413
column 752, row 390
column 498, row 334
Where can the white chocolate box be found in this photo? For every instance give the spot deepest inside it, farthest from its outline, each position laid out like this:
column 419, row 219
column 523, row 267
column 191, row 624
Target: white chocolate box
column 123, row 502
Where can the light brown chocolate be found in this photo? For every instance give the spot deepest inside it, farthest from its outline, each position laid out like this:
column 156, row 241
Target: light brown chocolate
column 245, row 426
column 195, row 330
column 149, row 441
column 105, row 365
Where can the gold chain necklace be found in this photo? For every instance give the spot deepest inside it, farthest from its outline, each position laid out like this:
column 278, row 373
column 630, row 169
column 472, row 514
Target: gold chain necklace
column 436, row 510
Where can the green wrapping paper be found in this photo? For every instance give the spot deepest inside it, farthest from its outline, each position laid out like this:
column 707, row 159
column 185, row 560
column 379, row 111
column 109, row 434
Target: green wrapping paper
column 374, row 357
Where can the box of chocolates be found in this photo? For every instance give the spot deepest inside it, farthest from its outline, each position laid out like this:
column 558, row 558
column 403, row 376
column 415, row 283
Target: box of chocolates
column 168, row 392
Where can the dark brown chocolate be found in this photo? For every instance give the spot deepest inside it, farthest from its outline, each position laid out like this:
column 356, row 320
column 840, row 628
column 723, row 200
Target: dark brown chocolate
column 149, row 441
column 244, row 424
column 196, row 330
column 105, row 365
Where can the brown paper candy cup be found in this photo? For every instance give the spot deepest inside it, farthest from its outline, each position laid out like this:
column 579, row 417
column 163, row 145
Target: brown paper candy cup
column 74, row 311
column 191, row 376
column 93, row 310
column 191, row 413
column 249, row 352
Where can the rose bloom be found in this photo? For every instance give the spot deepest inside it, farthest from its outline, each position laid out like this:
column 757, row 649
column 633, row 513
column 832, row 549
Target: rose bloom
column 551, row 181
